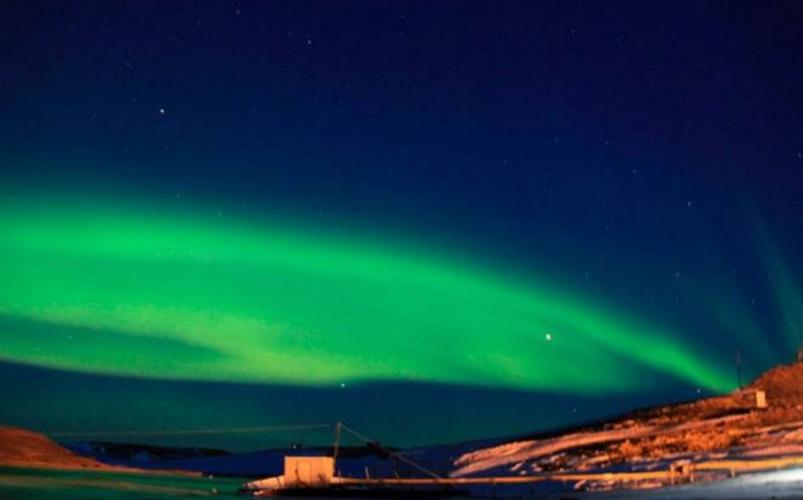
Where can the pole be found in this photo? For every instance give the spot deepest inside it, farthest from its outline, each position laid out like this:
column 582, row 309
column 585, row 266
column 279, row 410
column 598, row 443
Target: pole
column 337, row 440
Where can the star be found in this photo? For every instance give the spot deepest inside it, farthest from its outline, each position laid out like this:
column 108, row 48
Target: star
column 161, row 111
column 548, row 337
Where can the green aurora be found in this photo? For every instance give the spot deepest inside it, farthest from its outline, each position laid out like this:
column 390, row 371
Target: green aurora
column 118, row 288
column 786, row 292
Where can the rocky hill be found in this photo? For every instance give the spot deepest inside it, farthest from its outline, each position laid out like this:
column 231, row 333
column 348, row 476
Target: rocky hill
column 688, row 435
column 22, row 448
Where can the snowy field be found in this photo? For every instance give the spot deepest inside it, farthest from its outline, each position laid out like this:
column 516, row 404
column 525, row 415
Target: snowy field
column 776, row 484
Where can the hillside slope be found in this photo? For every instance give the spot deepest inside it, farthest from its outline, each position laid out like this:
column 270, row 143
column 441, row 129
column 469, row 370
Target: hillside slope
column 22, row 448
column 729, row 427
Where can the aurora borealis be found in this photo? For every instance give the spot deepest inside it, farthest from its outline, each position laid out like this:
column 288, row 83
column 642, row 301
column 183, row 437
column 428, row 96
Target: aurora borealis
column 434, row 221
column 267, row 305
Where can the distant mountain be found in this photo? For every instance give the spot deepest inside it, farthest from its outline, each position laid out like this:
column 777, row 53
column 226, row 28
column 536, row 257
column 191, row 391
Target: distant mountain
column 131, row 454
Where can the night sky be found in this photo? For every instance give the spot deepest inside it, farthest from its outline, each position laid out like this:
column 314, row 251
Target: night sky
column 434, row 221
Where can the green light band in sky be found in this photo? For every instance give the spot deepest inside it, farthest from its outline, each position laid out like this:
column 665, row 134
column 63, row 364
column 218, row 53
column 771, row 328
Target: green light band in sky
column 116, row 289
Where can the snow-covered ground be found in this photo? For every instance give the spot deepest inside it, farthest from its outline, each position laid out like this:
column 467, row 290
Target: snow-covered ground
column 775, row 484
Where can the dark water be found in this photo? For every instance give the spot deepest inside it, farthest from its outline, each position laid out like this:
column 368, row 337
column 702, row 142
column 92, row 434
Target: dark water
column 47, row 484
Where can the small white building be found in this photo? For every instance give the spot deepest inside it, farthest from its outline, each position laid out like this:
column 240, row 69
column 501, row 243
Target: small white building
column 309, row 470
column 761, row 400
column 298, row 472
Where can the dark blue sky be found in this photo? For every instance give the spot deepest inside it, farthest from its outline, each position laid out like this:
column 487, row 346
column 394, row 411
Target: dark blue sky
column 520, row 114
column 650, row 152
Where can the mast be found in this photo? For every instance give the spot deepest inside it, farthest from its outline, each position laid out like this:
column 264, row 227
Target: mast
column 337, row 440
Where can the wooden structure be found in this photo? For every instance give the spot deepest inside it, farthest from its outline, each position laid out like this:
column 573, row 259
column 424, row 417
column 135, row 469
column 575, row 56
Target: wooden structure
column 309, row 471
